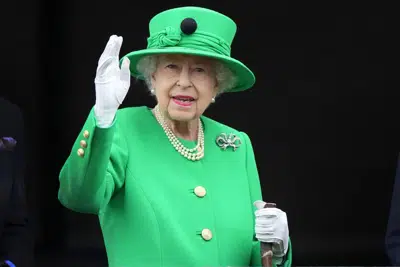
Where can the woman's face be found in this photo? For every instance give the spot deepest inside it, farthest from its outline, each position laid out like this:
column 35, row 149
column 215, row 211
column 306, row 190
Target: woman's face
column 184, row 86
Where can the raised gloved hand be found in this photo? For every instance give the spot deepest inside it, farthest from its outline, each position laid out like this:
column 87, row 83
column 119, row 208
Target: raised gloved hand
column 271, row 226
column 111, row 82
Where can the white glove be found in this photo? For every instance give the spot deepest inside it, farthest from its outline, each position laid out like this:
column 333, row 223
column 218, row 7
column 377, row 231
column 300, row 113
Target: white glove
column 111, row 82
column 272, row 227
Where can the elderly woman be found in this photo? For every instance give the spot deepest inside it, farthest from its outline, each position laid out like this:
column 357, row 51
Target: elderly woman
column 172, row 187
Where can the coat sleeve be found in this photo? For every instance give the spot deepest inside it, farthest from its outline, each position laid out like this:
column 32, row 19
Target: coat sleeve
column 17, row 242
column 256, row 194
column 95, row 168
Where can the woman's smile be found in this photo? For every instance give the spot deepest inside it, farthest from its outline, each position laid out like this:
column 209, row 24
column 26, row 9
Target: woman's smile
column 183, row 100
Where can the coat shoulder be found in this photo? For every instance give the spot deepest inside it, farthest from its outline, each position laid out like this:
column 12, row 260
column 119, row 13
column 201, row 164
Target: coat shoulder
column 218, row 124
column 133, row 114
column 219, row 127
column 135, row 119
column 11, row 118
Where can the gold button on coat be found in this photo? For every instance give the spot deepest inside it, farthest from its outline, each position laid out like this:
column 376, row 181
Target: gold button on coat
column 86, row 134
column 200, row 191
column 83, row 143
column 81, row 152
column 206, row 234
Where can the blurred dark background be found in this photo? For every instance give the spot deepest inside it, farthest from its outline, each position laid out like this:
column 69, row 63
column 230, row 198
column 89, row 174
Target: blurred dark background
column 323, row 115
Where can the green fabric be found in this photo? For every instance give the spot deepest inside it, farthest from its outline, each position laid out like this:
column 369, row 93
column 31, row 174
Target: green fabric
column 213, row 38
column 200, row 40
column 143, row 192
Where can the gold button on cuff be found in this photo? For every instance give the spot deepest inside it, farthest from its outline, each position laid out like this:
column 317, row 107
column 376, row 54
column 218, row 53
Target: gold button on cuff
column 206, row 234
column 81, row 152
column 83, row 143
column 86, row 134
column 200, row 191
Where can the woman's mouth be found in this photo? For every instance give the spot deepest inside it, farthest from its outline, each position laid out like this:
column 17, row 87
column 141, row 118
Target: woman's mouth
column 183, row 101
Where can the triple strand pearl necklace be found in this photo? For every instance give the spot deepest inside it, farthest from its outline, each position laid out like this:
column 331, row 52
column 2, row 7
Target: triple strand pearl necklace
column 193, row 154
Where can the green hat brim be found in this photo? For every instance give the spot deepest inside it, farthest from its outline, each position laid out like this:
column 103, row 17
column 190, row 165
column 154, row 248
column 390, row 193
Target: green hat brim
column 245, row 77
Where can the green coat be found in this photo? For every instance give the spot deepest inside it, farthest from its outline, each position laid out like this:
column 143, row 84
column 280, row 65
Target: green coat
column 158, row 209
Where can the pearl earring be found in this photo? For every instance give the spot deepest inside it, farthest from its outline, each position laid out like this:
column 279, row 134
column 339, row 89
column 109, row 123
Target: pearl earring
column 152, row 91
column 213, row 100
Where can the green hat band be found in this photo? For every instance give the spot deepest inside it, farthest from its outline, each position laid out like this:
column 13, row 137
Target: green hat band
column 199, row 40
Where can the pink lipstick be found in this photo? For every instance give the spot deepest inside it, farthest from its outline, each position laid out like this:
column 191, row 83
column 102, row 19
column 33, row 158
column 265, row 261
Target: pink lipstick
column 183, row 100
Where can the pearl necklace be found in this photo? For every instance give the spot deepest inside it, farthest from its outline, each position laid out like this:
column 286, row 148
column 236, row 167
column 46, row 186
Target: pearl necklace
column 193, row 154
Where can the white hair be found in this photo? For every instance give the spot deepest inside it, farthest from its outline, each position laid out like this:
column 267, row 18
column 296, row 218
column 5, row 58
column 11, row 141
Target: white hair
column 225, row 77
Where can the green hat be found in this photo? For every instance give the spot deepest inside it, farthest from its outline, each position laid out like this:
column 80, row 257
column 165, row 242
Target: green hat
column 194, row 31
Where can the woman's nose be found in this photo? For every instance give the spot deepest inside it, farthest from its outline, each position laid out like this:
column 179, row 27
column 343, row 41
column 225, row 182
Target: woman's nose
column 184, row 78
